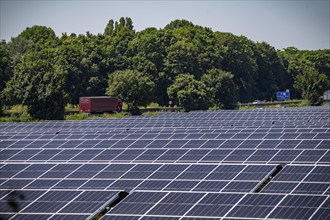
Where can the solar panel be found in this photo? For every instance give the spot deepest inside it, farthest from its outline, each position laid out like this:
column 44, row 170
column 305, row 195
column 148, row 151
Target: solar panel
column 255, row 206
column 138, row 203
column 215, row 205
column 293, row 173
column 297, row 207
column 196, row 165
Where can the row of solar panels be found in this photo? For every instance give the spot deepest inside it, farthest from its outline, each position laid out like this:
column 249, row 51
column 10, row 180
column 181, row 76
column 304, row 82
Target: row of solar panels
column 167, row 144
column 206, row 129
column 269, row 156
column 170, row 174
column 106, row 126
column 196, row 205
column 174, row 135
column 296, row 179
column 156, row 205
column 55, row 204
column 306, row 117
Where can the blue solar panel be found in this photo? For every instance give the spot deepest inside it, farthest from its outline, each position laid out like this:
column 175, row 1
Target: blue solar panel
column 175, row 204
column 225, row 172
column 297, row 207
column 323, row 212
column 293, row 173
column 255, row 206
column 196, row 165
column 138, row 203
column 215, row 205
column 279, row 187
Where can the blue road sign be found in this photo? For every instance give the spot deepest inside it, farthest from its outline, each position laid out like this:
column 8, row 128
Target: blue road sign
column 283, row 95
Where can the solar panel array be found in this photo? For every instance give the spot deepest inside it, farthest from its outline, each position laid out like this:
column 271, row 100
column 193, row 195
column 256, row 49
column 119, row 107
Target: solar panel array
column 196, row 165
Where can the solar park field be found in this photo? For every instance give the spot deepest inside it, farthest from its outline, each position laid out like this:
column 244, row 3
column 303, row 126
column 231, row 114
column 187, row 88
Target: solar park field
column 252, row 164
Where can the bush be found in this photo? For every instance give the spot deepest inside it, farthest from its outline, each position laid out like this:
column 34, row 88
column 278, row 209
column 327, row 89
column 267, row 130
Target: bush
column 133, row 87
column 189, row 93
column 77, row 116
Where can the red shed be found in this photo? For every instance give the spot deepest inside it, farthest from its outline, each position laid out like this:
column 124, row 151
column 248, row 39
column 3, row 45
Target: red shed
column 100, row 104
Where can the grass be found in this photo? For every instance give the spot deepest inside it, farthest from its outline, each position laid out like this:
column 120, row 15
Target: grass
column 152, row 105
column 247, row 107
column 326, row 104
column 150, row 114
column 277, row 104
column 114, row 115
column 18, row 117
column 71, row 108
column 83, row 116
column 76, row 116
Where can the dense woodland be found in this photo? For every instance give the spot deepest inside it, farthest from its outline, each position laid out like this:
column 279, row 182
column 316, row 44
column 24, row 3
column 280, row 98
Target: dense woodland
column 191, row 65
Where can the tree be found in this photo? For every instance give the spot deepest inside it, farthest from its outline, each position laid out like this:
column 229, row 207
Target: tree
column 147, row 51
column 270, row 74
column 69, row 57
column 39, row 85
column 239, row 59
column 5, row 69
column 216, row 68
column 116, row 48
column 5, row 65
column 221, row 88
column 311, row 83
column 129, row 23
column 133, row 87
column 40, row 35
column 109, row 28
column 192, row 49
column 189, row 93
column 180, row 59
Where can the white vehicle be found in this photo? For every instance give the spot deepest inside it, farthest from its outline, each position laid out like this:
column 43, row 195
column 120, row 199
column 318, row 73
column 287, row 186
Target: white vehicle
column 255, row 102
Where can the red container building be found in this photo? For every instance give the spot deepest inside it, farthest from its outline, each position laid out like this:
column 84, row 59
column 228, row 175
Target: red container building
column 100, row 104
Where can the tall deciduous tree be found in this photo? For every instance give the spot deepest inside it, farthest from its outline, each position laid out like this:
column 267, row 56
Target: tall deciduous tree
column 270, row 74
column 239, row 59
column 38, row 83
column 311, row 83
column 221, row 88
column 109, row 28
column 5, row 65
column 189, row 93
column 133, row 87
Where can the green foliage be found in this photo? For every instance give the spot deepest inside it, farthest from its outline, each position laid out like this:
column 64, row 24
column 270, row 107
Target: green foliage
column 18, row 109
column 117, row 115
column 71, row 107
column 82, row 116
column 239, row 59
column 5, row 65
column 311, row 83
column 150, row 114
column 25, row 117
column 114, row 115
column 189, row 93
column 76, row 116
column 109, row 28
column 221, row 88
column 38, row 84
column 40, row 35
column 133, row 87
column 18, row 117
column 190, row 64
column 270, row 76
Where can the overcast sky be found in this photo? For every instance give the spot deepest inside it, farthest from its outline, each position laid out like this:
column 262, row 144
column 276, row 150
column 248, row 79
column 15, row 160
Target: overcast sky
column 300, row 23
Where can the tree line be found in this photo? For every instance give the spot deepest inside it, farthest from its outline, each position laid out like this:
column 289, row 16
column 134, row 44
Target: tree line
column 191, row 65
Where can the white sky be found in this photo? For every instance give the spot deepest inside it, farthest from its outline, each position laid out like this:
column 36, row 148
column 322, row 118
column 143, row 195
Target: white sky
column 282, row 23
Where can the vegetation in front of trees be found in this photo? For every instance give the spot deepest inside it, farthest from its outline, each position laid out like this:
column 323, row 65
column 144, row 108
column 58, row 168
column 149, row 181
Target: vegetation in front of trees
column 132, row 87
column 190, row 65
